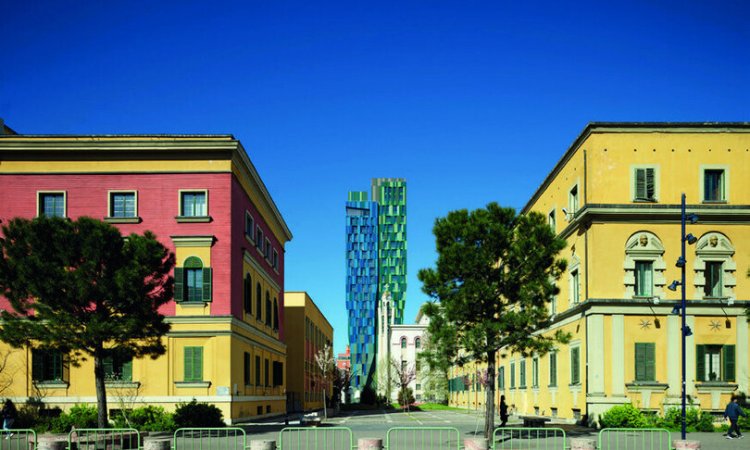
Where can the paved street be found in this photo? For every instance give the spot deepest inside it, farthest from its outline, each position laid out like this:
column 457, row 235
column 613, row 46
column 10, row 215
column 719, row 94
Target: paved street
column 376, row 424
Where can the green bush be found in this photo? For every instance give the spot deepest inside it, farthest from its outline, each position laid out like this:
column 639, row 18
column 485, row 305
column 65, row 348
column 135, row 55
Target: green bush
column 695, row 420
column 624, row 416
column 194, row 414
column 146, row 418
column 405, row 397
column 35, row 416
column 80, row 416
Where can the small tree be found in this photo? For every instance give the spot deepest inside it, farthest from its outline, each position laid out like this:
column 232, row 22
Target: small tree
column 81, row 289
column 326, row 363
column 404, row 374
column 495, row 274
column 342, row 383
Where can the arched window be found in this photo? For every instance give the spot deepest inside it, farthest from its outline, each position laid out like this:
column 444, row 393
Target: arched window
column 258, row 301
column 644, row 266
column 268, row 308
column 275, row 314
column 193, row 281
column 403, row 342
column 417, row 343
column 248, row 292
column 714, row 267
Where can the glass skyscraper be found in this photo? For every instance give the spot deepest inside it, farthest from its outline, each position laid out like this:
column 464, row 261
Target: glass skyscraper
column 375, row 264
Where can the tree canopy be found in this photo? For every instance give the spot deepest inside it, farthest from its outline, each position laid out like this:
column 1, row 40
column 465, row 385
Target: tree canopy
column 81, row 288
column 495, row 274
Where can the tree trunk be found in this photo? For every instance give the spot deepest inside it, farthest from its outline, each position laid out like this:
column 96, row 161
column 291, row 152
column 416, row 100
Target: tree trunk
column 489, row 404
column 325, row 407
column 101, row 393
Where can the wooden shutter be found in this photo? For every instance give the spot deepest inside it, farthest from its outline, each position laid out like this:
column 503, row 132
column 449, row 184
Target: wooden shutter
column 193, row 363
column 37, row 365
column 645, row 362
column 650, row 184
column 127, row 370
column 700, row 362
column 553, row 369
column 109, row 365
column 206, row 284
column 179, row 284
column 575, row 366
column 640, row 184
column 727, row 357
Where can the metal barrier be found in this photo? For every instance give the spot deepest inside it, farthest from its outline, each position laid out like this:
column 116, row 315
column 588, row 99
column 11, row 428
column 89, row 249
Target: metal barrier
column 21, row 439
column 424, row 438
column 230, row 438
column 325, row 438
column 634, row 438
column 104, row 439
column 523, row 438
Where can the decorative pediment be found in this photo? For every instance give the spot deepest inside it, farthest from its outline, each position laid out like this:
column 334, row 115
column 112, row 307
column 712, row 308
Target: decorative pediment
column 714, row 243
column 644, row 242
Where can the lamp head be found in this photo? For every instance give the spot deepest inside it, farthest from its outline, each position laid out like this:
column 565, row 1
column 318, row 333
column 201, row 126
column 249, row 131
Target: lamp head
column 680, row 262
column 687, row 331
column 692, row 218
column 676, row 310
column 673, row 285
column 728, row 324
column 690, row 238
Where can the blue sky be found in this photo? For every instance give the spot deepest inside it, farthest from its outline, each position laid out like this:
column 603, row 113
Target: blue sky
column 471, row 102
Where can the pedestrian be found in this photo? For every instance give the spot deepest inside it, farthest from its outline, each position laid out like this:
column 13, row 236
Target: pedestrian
column 9, row 416
column 733, row 413
column 503, row 411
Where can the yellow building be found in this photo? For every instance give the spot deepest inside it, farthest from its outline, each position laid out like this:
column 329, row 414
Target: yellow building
column 305, row 382
column 615, row 197
column 204, row 200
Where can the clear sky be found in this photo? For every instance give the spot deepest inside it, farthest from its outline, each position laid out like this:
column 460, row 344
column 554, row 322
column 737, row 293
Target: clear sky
column 471, row 102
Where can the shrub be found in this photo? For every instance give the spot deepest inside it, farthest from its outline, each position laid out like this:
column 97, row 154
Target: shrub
column 368, row 396
column 405, row 397
column 146, row 418
column 695, row 420
column 623, row 416
column 80, row 416
column 194, row 414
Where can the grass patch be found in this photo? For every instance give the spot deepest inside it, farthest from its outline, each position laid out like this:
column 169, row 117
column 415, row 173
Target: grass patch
column 432, row 407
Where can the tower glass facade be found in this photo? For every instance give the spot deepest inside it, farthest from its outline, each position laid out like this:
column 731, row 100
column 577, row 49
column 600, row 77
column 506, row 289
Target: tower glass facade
column 375, row 264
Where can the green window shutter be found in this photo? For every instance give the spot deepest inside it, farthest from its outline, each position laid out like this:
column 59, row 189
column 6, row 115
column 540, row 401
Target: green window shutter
column 206, row 284
column 109, row 366
column 193, row 364
column 179, row 284
column 700, row 362
column 728, row 360
column 127, row 370
column 650, row 184
column 575, row 366
column 57, row 365
column 650, row 362
column 640, row 183
column 37, row 365
column 188, row 364
column 553, row 369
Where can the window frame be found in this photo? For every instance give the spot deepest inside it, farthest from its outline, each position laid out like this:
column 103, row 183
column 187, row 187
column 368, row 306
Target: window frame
column 574, row 200
column 249, row 219
column 535, row 372
column 645, row 366
column 553, row 369
column 41, row 359
column 704, row 168
column 512, row 371
column 575, row 369
column 727, row 366
column 639, row 283
column 40, row 203
column 195, row 372
column 181, row 204
column 635, row 198
column 111, row 205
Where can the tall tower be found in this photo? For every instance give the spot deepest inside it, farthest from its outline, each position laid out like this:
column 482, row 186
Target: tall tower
column 390, row 195
column 361, row 287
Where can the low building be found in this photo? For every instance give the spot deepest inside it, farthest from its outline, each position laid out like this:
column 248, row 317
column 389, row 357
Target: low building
column 306, row 383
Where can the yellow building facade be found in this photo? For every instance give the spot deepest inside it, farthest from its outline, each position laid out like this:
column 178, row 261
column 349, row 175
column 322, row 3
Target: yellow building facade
column 305, row 381
column 615, row 197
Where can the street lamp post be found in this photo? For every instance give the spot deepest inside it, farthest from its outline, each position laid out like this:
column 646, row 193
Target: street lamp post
column 685, row 330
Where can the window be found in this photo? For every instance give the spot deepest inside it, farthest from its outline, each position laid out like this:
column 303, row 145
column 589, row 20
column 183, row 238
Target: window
column 51, row 204
column 645, row 361
column 267, row 250
column 193, row 364
column 275, row 260
column 419, row 386
column 268, row 309
column 248, row 297
column 575, row 283
column 47, row 365
column 257, row 370
column 246, row 365
column 715, row 363
column 713, row 274
column 522, row 374
column 193, row 204
column 713, row 185
column 553, row 369
column 259, row 238
column 403, row 342
column 512, row 375
column 192, row 281
column 573, row 200
column 535, row 372
column 278, row 373
column 403, row 366
column 118, row 366
column 551, row 220
column 644, row 278
column 258, row 302
column 575, row 365
column 501, row 378
column 122, row 204
column 249, row 226
column 644, row 184
column 265, row 372
column 417, row 343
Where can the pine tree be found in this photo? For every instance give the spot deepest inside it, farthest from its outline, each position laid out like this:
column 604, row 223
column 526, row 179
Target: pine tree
column 80, row 288
column 495, row 274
